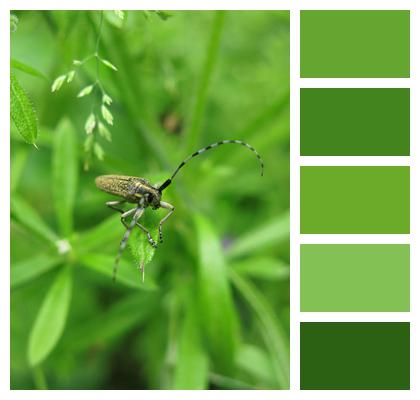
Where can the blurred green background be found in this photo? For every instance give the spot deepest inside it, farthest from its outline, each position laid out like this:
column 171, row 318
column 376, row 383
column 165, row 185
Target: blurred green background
column 214, row 309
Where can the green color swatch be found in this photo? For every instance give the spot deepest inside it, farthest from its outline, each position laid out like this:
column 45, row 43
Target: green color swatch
column 355, row 122
column 355, row 355
column 355, row 44
column 354, row 277
column 355, row 200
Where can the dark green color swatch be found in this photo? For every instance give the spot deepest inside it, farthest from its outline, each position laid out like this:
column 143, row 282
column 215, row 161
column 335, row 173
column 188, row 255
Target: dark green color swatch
column 355, row 355
column 355, row 122
column 355, row 200
column 355, row 44
column 354, row 277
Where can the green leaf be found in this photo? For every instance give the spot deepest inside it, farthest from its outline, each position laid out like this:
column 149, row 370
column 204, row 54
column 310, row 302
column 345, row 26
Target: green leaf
column 191, row 368
column 70, row 75
column 114, row 322
column 104, row 132
column 22, row 111
column 107, row 115
column 51, row 318
column 17, row 165
column 257, row 363
column 217, row 308
column 106, row 99
column 15, row 64
column 127, row 273
column 26, row 270
column 88, row 143
column 99, row 151
column 64, row 179
column 90, row 123
column 110, row 230
column 28, row 217
column 270, row 234
column 273, row 334
column 85, row 91
column 139, row 245
column 58, row 82
column 267, row 268
column 109, row 64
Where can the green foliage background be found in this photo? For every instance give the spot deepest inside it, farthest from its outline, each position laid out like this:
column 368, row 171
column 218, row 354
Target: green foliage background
column 214, row 309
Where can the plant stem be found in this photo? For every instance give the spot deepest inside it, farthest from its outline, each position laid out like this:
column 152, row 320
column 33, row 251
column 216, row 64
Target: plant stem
column 193, row 134
column 39, row 378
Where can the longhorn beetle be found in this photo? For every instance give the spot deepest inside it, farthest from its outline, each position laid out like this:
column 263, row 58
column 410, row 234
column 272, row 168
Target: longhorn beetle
column 140, row 192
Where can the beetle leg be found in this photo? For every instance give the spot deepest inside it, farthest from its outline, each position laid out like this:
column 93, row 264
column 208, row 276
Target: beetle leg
column 149, row 236
column 171, row 209
column 138, row 212
column 124, row 214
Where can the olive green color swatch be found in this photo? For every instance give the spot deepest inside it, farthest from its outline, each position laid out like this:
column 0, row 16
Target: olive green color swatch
column 354, row 277
column 355, row 44
column 355, row 200
column 355, row 355
column 355, row 122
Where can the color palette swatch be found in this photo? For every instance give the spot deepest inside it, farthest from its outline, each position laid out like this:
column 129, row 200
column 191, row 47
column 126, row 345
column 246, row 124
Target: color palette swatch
column 355, row 122
column 355, row 355
column 354, row 196
column 355, row 278
column 355, row 44
column 355, row 200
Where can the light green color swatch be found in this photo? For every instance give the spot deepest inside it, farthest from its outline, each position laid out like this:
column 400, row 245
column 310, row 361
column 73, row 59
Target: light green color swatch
column 354, row 277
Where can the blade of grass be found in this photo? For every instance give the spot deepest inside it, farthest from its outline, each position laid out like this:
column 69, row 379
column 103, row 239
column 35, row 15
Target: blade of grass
column 266, row 268
column 274, row 337
column 269, row 234
column 191, row 368
column 29, row 218
column 51, row 318
column 15, row 64
column 217, row 308
column 64, row 179
column 200, row 100
column 26, row 270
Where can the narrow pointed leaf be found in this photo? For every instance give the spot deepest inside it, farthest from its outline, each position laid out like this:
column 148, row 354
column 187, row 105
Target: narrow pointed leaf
column 51, row 318
column 109, row 64
column 85, row 91
column 273, row 334
column 26, row 270
column 64, row 179
column 217, row 308
column 107, row 115
column 28, row 217
column 270, row 234
column 15, row 64
column 192, row 366
column 22, row 111
column 58, row 82
column 90, row 123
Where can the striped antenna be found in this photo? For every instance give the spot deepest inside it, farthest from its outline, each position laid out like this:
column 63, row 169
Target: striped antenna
column 212, row 146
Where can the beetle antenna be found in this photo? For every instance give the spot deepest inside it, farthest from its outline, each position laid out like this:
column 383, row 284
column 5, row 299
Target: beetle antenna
column 211, row 146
